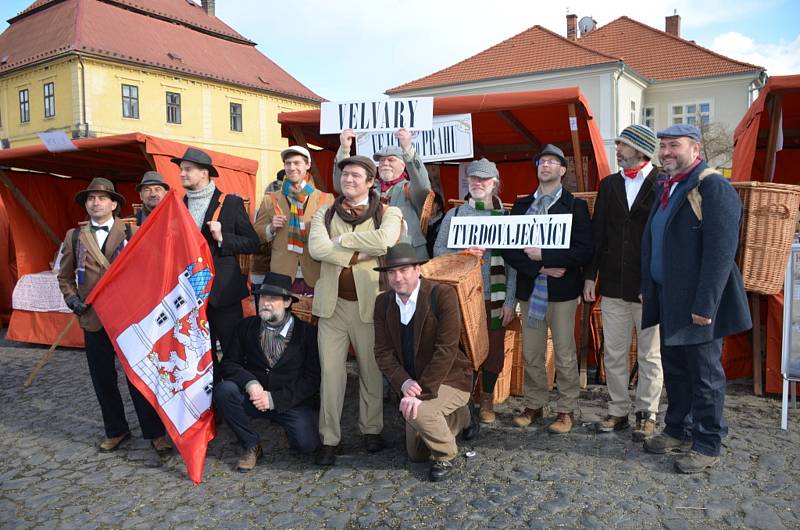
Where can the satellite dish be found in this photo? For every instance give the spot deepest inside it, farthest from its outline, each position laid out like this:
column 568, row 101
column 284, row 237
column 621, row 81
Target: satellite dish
column 586, row 24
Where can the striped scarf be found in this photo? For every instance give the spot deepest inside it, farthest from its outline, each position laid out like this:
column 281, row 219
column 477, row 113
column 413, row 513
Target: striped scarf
column 273, row 344
column 297, row 204
column 497, row 269
column 537, row 304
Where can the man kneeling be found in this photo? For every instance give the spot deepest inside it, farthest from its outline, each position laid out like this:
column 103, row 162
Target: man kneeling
column 271, row 370
column 417, row 330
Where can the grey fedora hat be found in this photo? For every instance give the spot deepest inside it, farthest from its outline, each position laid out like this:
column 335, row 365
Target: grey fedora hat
column 152, row 178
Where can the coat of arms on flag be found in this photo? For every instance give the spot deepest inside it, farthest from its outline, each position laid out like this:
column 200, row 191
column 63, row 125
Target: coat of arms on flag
column 152, row 303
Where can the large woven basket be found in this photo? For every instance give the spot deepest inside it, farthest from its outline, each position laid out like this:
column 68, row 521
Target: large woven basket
column 589, row 196
column 463, row 271
column 768, row 228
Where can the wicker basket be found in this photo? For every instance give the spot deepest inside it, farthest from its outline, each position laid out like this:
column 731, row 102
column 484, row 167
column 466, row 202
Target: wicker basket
column 589, row 196
column 768, row 228
column 302, row 309
column 463, row 271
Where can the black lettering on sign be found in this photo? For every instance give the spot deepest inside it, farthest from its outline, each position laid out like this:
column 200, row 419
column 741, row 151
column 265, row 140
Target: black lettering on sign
column 386, row 123
column 353, row 116
column 398, row 115
column 375, row 105
column 411, row 112
column 341, row 117
column 482, row 236
column 473, row 229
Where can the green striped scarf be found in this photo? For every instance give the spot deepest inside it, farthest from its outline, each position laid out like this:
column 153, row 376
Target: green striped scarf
column 497, row 269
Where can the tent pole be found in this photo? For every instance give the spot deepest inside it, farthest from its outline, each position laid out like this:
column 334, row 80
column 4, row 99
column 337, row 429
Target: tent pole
column 300, row 138
column 15, row 191
column 776, row 108
column 576, row 147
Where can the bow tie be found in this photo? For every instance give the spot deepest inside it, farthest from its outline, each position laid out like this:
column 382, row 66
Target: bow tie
column 96, row 228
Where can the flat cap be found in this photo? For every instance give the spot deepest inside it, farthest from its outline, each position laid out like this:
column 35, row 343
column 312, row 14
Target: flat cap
column 680, row 130
column 483, row 169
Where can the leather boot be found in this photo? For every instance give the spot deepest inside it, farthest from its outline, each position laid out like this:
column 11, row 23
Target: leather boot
column 486, row 414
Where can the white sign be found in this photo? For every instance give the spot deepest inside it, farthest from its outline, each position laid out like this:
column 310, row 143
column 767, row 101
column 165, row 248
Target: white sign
column 376, row 116
column 57, row 141
column 450, row 139
column 510, row 231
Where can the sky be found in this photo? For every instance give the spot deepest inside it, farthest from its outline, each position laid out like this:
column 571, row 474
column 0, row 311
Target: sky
column 358, row 49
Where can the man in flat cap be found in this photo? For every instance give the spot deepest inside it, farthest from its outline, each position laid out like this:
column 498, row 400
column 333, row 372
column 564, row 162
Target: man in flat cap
column 151, row 190
column 549, row 284
column 417, row 334
column 349, row 238
column 224, row 223
column 89, row 251
column 620, row 213
column 402, row 181
column 692, row 288
column 284, row 219
column 271, row 370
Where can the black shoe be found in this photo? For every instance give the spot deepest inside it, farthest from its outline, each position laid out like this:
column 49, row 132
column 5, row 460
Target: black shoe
column 440, row 470
column 373, row 443
column 326, row 455
column 474, row 427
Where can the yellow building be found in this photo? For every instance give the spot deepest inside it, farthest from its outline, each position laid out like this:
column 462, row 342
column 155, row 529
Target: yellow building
column 163, row 67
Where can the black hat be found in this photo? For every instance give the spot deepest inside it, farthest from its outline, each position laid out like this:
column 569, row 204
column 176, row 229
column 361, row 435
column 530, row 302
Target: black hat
column 551, row 150
column 400, row 255
column 276, row 284
column 152, row 178
column 358, row 160
column 196, row 156
column 104, row 185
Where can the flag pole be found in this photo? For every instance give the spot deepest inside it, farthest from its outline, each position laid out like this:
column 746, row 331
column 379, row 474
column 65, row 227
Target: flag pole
column 48, row 353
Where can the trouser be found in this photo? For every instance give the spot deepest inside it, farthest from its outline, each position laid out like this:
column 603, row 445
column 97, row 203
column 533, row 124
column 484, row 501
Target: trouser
column 493, row 365
column 438, row 422
column 560, row 318
column 101, row 358
column 334, row 336
column 222, row 321
column 619, row 319
column 695, row 384
column 299, row 423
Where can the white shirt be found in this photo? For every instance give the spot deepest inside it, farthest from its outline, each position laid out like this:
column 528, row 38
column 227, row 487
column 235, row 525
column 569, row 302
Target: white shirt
column 101, row 235
column 407, row 309
column 633, row 185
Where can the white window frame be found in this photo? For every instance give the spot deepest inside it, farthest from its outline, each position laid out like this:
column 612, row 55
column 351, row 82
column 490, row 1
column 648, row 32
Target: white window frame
column 649, row 121
column 685, row 113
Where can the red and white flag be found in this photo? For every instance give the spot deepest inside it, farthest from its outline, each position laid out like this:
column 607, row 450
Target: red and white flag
column 152, row 303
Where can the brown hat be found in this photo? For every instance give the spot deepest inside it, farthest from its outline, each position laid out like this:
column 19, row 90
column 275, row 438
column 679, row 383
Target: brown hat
column 400, row 255
column 362, row 161
column 104, row 185
column 201, row 158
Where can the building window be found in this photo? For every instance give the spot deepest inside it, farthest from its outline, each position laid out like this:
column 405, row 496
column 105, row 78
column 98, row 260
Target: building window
column 130, row 101
column 649, row 117
column 634, row 116
column 24, row 106
column 49, row 100
column 236, row 117
column 697, row 114
column 173, row 107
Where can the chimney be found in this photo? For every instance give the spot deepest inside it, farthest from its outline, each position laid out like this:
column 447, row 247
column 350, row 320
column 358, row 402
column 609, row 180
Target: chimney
column 673, row 25
column 208, row 6
column 572, row 27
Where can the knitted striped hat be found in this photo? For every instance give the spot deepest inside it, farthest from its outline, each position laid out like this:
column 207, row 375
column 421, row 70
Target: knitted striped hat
column 640, row 138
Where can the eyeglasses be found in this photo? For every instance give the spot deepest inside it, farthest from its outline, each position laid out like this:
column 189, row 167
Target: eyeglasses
column 547, row 162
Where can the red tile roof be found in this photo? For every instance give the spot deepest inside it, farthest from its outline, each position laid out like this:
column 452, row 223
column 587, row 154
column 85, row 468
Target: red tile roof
column 194, row 44
column 538, row 50
column 659, row 56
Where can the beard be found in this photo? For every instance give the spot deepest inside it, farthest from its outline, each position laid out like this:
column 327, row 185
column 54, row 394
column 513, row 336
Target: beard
column 271, row 316
column 386, row 173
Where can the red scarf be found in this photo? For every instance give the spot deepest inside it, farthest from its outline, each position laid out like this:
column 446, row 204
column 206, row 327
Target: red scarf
column 386, row 185
column 633, row 171
column 667, row 183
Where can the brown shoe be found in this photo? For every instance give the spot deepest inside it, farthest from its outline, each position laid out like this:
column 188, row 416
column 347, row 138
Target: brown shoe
column 528, row 416
column 563, row 423
column 612, row 423
column 162, row 445
column 249, row 459
column 486, row 415
column 645, row 427
column 112, row 444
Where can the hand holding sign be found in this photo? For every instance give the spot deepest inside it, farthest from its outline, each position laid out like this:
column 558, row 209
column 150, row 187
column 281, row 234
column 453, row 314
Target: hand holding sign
column 476, row 251
column 346, row 138
column 404, row 139
column 553, row 272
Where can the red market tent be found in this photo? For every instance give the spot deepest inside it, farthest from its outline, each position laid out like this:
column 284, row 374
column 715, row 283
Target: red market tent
column 49, row 181
column 767, row 148
column 507, row 128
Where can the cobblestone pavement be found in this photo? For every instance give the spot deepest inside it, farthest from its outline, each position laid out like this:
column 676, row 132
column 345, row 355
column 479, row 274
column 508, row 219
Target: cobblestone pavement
column 51, row 475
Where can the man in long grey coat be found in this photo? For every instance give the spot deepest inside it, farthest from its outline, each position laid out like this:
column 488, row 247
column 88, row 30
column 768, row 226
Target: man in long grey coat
column 692, row 287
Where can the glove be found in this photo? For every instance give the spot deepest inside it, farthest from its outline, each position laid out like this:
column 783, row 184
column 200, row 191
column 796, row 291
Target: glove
column 77, row 305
